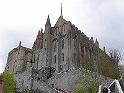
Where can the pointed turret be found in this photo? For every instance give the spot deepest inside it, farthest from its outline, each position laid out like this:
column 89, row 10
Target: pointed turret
column 39, row 35
column 48, row 21
column 97, row 43
column 38, row 43
column 92, row 40
column 47, row 25
column 41, row 30
column 20, row 43
column 104, row 49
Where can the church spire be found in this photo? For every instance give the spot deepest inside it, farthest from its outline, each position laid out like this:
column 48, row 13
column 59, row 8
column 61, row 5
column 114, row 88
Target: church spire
column 47, row 25
column 61, row 9
column 48, row 20
column 38, row 43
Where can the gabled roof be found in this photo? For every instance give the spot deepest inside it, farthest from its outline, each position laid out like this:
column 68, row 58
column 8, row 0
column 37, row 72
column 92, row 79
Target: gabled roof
column 60, row 21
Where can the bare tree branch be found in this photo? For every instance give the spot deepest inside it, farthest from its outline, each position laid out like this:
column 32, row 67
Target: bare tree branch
column 115, row 54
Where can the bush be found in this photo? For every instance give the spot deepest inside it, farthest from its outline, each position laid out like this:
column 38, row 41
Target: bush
column 9, row 83
column 86, row 85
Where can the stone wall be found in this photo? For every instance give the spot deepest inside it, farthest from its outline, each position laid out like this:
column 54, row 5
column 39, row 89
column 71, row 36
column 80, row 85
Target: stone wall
column 67, row 80
column 29, row 79
column 23, row 80
column 59, row 81
column 18, row 58
column 41, row 86
column 64, row 48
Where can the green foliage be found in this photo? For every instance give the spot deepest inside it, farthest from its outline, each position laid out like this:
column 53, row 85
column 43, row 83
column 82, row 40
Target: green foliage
column 102, row 65
column 86, row 85
column 108, row 68
column 88, row 64
column 9, row 83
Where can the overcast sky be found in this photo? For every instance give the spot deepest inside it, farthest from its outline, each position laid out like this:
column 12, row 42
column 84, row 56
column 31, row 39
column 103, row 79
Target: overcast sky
column 20, row 20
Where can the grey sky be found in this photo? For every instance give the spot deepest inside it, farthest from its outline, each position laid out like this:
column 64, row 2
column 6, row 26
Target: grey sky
column 20, row 20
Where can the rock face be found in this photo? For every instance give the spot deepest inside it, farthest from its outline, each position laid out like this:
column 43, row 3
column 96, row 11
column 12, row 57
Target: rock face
column 56, row 58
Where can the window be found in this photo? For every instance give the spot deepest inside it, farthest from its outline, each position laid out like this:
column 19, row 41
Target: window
column 22, row 82
column 92, row 49
column 62, row 43
column 8, row 68
column 55, row 59
column 38, row 79
column 57, row 30
column 45, row 49
column 63, row 27
column 62, row 56
column 54, row 46
column 61, row 68
column 55, row 33
column 52, row 85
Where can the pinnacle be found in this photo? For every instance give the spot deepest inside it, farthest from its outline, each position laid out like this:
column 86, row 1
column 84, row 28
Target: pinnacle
column 20, row 43
column 61, row 9
column 48, row 20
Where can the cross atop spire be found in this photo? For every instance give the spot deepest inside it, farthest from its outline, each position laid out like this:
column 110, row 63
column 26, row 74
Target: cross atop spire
column 61, row 9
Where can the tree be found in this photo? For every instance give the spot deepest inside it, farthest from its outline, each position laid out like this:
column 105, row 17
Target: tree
column 86, row 85
column 115, row 54
column 9, row 83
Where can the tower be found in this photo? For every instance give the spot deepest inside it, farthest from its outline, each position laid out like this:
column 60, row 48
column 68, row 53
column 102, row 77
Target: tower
column 97, row 43
column 38, row 43
column 47, row 25
column 47, row 42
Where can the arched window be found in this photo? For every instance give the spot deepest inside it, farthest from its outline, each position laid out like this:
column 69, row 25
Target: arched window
column 61, row 68
column 63, row 28
column 62, row 56
column 54, row 46
column 62, row 43
column 55, row 59
column 57, row 30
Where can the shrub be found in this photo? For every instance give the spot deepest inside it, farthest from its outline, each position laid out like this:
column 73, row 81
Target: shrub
column 86, row 85
column 9, row 83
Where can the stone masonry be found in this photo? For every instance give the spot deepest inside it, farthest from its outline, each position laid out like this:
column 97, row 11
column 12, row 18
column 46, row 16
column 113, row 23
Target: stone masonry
column 56, row 59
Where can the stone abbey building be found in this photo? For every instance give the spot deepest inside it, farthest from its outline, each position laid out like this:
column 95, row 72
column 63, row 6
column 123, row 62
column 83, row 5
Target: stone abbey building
column 57, row 59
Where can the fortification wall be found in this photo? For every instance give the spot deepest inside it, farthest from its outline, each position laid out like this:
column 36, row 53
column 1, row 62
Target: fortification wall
column 18, row 58
column 67, row 80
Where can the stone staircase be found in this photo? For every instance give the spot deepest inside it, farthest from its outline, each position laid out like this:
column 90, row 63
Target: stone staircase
column 114, row 87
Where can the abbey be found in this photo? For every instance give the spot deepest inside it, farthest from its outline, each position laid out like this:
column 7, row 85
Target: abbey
column 57, row 59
